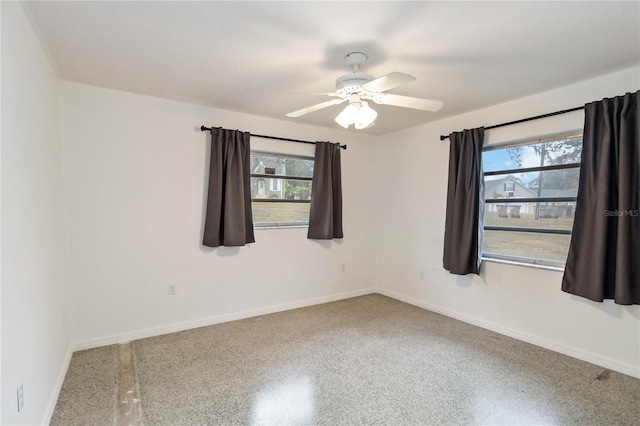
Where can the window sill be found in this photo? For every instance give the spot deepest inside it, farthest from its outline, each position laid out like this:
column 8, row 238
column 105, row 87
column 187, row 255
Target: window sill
column 526, row 264
column 259, row 228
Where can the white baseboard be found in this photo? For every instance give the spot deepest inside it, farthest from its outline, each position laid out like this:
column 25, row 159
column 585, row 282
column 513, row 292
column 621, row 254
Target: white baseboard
column 187, row 325
column 562, row 348
column 555, row 346
column 51, row 406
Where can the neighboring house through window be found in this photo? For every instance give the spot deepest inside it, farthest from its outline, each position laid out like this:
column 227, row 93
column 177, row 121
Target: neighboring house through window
column 285, row 200
column 530, row 197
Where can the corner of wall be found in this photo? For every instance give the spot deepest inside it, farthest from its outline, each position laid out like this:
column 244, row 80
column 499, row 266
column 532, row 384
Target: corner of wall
column 36, row 344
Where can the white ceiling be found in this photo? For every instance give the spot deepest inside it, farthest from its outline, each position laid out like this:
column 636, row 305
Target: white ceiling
column 246, row 56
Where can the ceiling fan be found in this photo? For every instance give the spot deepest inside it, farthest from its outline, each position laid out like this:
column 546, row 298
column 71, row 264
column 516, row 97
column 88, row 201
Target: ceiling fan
column 357, row 88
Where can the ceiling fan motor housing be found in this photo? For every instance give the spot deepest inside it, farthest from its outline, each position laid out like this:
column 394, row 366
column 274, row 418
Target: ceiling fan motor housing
column 352, row 82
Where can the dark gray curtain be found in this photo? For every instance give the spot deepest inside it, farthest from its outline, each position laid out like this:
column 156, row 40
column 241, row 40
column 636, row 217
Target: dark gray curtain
column 604, row 254
column 228, row 220
column 325, row 218
column 465, row 203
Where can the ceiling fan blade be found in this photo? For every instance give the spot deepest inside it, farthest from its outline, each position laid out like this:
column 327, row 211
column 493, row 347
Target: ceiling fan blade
column 313, row 108
column 389, row 81
column 408, row 102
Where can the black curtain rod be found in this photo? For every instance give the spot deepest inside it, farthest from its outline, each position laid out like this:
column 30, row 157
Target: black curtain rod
column 204, row 129
column 551, row 114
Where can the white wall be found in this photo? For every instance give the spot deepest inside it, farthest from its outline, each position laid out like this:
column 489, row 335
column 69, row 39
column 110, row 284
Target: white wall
column 523, row 302
column 35, row 337
column 135, row 169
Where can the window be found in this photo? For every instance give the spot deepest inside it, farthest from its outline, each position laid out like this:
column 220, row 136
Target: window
column 530, row 199
column 286, row 198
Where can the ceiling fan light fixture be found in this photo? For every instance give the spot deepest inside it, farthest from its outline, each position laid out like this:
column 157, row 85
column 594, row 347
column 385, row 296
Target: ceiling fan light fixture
column 366, row 116
column 348, row 115
column 358, row 113
column 356, row 87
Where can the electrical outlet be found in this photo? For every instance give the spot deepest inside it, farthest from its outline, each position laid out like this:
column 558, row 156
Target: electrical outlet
column 422, row 275
column 344, row 267
column 172, row 289
column 20, row 395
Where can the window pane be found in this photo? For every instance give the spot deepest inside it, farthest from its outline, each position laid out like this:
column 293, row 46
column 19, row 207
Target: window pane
column 266, row 213
column 561, row 151
column 280, row 189
column 555, row 183
column 523, row 215
column 550, row 247
column 281, row 165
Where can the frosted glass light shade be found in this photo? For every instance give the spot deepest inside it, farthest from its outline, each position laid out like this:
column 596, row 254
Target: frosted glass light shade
column 360, row 114
column 366, row 116
column 347, row 116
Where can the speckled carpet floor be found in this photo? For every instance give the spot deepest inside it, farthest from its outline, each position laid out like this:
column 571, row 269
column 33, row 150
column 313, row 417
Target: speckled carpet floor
column 362, row 361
